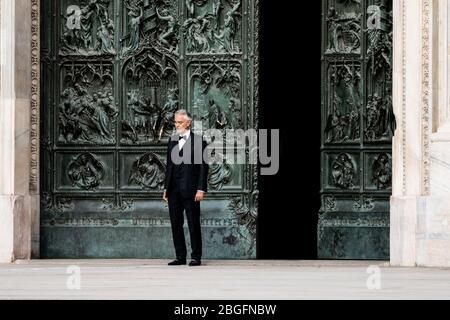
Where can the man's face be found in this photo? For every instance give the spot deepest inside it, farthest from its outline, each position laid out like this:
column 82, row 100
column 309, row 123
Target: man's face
column 181, row 124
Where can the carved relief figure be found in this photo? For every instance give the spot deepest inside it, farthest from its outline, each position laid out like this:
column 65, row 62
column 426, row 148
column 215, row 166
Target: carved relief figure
column 190, row 5
column 151, row 96
column 88, row 30
column 151, row 23
column 168, row 112
column 214, row 29
column 380, row 120
column 147, row 118
column 102, row 7
column 216, row 94
column 105, row 36
column 217, row 7
column 219, row 175
column 216, row 118
column 382, row 171
column 235, row 114
column 379, row 35
column 226, row 37
column 343, row 171
column 139, row 112
column 343, row 121
column 197, row 31
column 84, row 118
column 166, row 38
column 344, row 32
column 148, row 172
column 135, row 16
column 342, row 127
column 229, row 79
column 86, row 172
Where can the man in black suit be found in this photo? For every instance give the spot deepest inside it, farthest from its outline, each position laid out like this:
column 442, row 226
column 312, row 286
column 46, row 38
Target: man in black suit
column 185, row 185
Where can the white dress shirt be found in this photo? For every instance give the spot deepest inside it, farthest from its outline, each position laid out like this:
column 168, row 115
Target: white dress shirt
column 181, row 142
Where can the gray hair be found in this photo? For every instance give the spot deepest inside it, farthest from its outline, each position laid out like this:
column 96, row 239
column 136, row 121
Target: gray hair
column 183, row 112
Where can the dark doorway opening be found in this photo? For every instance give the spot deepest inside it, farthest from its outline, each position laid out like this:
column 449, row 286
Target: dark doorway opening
column 290, row 49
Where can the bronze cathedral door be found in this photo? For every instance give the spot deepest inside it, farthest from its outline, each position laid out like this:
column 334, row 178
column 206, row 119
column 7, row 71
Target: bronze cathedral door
column 357, row 128
column 113, row 74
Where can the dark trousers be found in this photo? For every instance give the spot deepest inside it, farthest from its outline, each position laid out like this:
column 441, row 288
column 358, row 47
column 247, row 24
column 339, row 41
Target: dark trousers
column 178, row 204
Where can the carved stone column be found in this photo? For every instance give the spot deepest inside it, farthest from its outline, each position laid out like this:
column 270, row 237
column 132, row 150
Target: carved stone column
column 420, row 204
column 15, row 75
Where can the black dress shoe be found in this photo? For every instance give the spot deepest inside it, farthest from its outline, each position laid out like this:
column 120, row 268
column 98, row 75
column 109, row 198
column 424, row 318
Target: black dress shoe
column 195, row 263
column 177, row 262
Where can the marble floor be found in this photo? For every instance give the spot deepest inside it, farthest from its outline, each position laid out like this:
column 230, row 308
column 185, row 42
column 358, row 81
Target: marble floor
column 220, row 279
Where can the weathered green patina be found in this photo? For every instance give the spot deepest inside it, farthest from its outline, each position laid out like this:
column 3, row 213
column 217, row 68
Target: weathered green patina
column 358, row 124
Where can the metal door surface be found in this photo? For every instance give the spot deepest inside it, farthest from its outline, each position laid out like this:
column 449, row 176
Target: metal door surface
column 358, row 124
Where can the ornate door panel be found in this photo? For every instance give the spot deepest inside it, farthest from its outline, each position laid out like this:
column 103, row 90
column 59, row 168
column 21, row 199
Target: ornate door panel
column 358, row 124
column 113, row 74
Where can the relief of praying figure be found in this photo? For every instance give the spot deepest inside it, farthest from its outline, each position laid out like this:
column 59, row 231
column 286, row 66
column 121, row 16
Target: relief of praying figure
column 226, row 37
column 135, row 29
column 87, row 14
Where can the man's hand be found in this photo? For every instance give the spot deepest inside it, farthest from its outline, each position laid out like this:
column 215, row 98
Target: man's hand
column 165, row 197
column 199, row 196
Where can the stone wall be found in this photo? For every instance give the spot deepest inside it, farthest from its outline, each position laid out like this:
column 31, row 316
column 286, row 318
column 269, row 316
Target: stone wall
column 420, row 204
column 15, row 211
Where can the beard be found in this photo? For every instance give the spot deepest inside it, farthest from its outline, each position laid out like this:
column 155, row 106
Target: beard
column 181, row 131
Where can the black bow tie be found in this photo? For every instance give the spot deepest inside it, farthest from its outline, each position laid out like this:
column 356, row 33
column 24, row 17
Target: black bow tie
column 181, row 137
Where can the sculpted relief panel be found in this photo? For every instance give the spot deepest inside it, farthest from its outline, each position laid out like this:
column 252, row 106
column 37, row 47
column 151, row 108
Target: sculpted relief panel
column 87, row 109
column 150, row 97
column 216, row 94
column 213, row 26
column 344, row 27
column 344, row 112
column 87, row 27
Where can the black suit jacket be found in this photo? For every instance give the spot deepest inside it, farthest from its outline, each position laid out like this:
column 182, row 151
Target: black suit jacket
column 193, row 167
